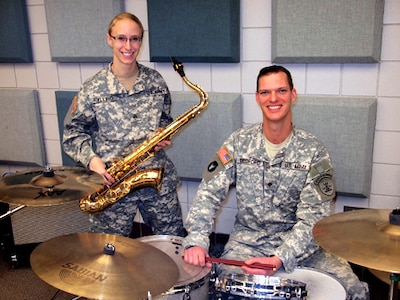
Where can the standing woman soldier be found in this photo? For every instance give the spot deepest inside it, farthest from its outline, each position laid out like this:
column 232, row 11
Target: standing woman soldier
column 115, row 111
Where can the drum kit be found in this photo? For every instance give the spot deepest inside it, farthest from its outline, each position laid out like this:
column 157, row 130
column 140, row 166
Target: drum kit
column 106, row 266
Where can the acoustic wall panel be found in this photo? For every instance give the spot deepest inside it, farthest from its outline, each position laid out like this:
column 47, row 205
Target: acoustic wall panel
column 21, row 128
column 347, row 127
column 197, row 142
column 78, row 28
column 326, row 31
column 15, row 38
column 63, row 102
column 194, row 31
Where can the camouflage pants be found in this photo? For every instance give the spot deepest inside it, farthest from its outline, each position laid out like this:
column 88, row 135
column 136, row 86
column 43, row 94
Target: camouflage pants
column 162, row 213
column 321, row 260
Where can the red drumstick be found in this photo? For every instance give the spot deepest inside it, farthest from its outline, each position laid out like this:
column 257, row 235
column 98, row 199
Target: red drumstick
column 240, row 263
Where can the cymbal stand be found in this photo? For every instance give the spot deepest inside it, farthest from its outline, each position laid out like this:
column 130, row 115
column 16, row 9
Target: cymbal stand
column 11, row 211
column 394, row 286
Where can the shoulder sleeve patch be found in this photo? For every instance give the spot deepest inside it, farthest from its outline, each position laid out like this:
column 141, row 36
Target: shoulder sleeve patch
column 224, row 155
column 217, row 163
column 72, row 109
column 322, row 174
column 326, row 186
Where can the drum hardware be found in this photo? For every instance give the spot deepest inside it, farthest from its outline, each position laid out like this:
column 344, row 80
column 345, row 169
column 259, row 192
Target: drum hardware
column 374, row 233
column 104, row 266
column 11, row 211
column 48, row 186
column 240, row 263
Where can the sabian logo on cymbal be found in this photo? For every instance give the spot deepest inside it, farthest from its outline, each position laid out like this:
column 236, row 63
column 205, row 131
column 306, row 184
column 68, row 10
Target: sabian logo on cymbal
column 76, row 274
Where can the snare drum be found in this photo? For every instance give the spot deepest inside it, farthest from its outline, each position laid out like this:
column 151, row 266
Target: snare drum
column 303, row 283
column 243, row 286
column 193, row 281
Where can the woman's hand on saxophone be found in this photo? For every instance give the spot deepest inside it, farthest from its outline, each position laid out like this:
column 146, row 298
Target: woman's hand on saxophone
column 162, row 144
column 98, row 166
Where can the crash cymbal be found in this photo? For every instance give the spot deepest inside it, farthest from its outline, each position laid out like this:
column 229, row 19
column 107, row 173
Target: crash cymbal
column 366, row 237
column 48, row 186
column 104, row 266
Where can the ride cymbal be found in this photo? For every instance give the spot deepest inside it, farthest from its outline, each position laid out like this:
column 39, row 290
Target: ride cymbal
column 50, row 186
column 104, row 266
column 364, row 237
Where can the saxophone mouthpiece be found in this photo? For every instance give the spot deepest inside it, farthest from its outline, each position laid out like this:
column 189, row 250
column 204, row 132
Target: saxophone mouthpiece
column 178, row 66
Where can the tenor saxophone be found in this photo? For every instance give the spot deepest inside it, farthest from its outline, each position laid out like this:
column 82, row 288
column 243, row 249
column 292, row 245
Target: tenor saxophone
column 126, row 171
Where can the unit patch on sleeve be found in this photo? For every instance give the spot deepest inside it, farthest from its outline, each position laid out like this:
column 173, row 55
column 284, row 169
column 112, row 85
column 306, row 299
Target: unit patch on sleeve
column 72, row 109
column 322, row 174
column 325, row 186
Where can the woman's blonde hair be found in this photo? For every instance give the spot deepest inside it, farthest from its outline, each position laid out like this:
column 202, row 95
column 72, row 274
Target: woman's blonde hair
column 125, row 15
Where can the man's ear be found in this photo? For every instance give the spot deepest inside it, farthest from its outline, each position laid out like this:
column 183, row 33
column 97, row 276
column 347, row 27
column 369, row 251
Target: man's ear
column 294, row 95
column 257, row 96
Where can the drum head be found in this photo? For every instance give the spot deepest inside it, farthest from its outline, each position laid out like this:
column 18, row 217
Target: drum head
column 320, row 285
column 172, row 246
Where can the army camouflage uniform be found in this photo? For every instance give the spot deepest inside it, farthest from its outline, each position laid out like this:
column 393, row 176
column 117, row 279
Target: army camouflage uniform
column 278, row 203
column 108, row 121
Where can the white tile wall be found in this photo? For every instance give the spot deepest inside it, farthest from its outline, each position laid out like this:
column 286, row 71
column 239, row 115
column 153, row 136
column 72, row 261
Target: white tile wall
column 8, row 77
column 360, row 79
column 323, row 79
column 376, row 80
column 389, row 72
column 388, row 114
column 26, row 76
column 390, row 47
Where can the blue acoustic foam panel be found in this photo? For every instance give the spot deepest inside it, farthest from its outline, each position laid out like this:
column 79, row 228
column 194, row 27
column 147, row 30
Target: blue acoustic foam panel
column 15, row 39
column 194, row 31
column 347, row 127
column 21, row 128
column 63, row 102
column 326, row 31
column 77, row 29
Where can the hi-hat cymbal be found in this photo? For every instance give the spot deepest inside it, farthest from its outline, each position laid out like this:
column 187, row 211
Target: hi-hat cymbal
column 364, row 237
column 50, row 186
column 104, row 266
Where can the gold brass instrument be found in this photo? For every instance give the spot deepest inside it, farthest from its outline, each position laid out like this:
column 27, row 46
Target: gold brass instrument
column 125, row 171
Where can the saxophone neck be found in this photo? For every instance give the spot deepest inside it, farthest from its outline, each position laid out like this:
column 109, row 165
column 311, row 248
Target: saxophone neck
column 178, row 67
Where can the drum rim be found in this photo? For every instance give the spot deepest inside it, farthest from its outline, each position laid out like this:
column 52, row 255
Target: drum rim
column 205, row 271
column 298, row 268
column 325, row 273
